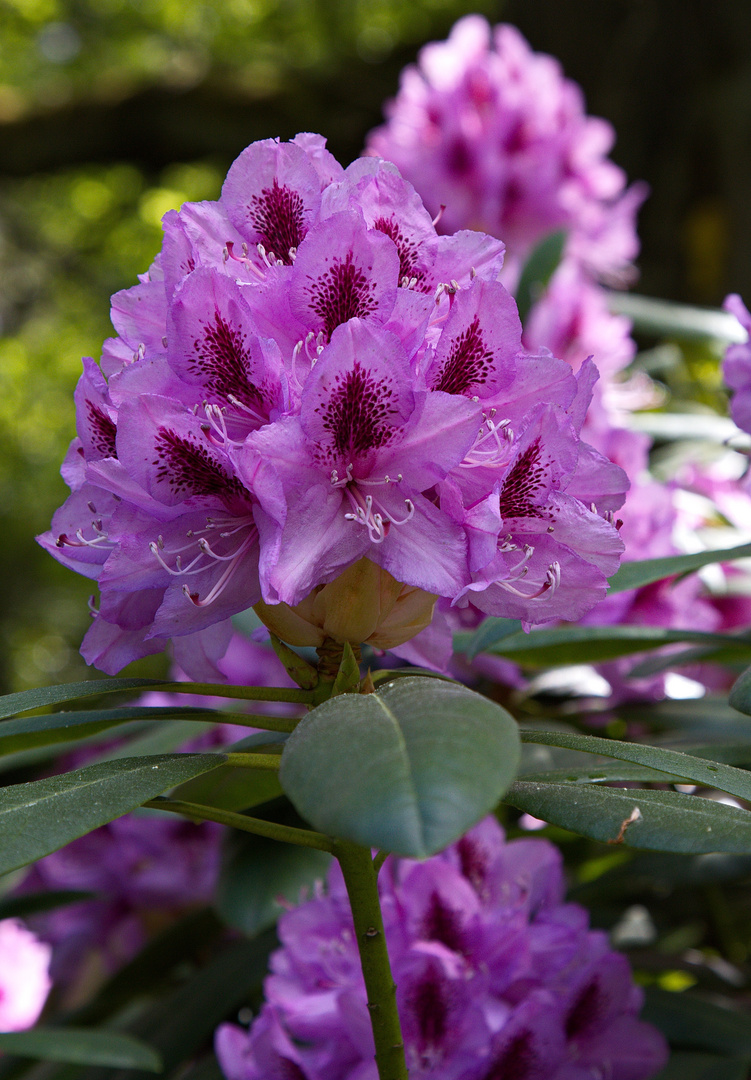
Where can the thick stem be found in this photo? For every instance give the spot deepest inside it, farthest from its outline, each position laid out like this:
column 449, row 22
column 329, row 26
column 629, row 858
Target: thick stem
column 361, row 880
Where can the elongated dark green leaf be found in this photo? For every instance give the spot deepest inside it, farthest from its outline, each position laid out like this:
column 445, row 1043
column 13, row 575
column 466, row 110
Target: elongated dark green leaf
column 12, row 907
column 740, row 695
column 666, row 820
column 260, row 875
column 487, row 634
column 230, row 788
column 26, row 700
column 592, row 644
column 407, row 769
column 668, row 319
column 538, row 270
column 711, row 774
column 632, row 575
column 82, row 1046
column 50, row 728
column 693, row 1021
column 612, row 772
column 44, row 815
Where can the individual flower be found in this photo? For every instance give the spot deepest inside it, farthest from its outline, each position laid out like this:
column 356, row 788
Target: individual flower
column 24, row 976
column 495, row 138
column 736, row 367
column 311, row 384
column 495, row 974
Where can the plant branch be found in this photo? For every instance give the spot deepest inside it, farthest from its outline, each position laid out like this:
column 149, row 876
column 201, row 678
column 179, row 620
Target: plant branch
column 269, row 829
column 360, row 877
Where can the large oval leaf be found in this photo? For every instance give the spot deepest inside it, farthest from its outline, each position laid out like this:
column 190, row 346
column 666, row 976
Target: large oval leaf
column 82, row 1046
column 666, row 820
column 407, row 769
column 44, row 815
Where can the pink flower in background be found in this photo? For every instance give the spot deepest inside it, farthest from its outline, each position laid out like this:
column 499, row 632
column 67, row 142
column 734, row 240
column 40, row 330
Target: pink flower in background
column 736, row 367
column 494, row 133
column 495, row 974
column 24, row 976
column 310, row 376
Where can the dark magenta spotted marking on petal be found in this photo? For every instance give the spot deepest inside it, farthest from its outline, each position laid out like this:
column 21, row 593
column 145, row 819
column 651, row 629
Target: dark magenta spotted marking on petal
column 407, row 253
column 524, row 479
column 190, row 469
column 441, row 923
column 277, row 215
column 518, row 1060
column 103, row 430
column 589, row 1007
column 358, row 413
column 473, row 861
column 428, row 1004
column 469, row 364
column 342, row 293
column 222, row 358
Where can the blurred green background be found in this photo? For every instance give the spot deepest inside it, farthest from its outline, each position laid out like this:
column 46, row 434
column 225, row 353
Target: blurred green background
column 114, row 111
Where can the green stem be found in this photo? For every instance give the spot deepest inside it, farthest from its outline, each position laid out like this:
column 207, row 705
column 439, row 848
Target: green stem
column 269, row 829
column 248, row 693
column 361, row 880
column 253, row 761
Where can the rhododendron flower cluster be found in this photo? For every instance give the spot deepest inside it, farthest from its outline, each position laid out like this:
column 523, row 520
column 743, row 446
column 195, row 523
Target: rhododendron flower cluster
column 24, row 976
column 493, row 133
column 310, row 376
column 496, row 977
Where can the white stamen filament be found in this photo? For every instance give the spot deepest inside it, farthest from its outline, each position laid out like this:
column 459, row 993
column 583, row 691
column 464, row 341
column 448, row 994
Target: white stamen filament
column 374, row 517
column 548, row 587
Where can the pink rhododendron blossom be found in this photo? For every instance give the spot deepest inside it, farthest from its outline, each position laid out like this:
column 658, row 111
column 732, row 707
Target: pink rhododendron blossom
column 496, row 976
column 494, row 133
column 310, row 376
column 736, row 367
column 24, row 976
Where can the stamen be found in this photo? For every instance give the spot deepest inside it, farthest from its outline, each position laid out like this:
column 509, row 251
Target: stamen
column 439, row 215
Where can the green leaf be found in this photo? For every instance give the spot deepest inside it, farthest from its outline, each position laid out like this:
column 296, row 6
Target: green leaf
column 488, row 633
column 668, row 820
column 538, row 270
column 51, row 728
column 12, row 907
column 39, row 697
column 668, row 319
column 296, row 666
column 699, row 770
column 347, row 679
column 258, row 874
column 740, row 695
column 603, row 774
column 231, row 788
column 81, row 1046
column 593, row 644
column 407, row 769
column 42, row 816
column 632, row 575
column 687, row 1020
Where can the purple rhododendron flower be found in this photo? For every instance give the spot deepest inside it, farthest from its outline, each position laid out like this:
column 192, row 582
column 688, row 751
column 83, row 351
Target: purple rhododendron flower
column 24, row 976
column 736, row 367
column 496, row 136
column 310, row 376
column 496, row 977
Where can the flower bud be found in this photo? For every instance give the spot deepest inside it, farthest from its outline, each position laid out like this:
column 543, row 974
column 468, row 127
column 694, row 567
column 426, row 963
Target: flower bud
column 365, row 604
